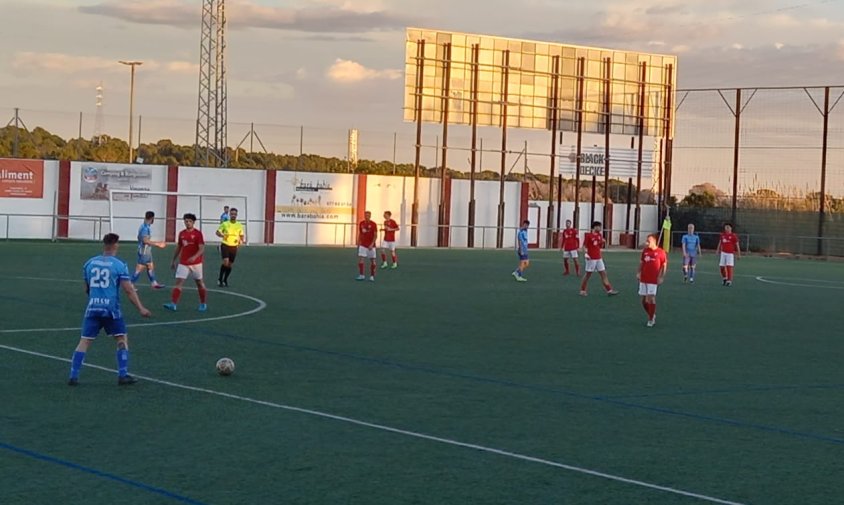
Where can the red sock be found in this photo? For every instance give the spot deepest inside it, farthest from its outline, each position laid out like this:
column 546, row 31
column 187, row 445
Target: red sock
column 395, row 258
column 383, row 256
column 177, row 293
column 608, row 287
column 202, row 294
column 372, row 269
column 566, row 265
column 652, row 311
column 360, row 268
column 729, row 273
column 646, row 306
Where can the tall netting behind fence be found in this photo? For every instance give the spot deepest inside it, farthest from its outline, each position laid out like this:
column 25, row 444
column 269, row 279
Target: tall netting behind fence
column 759, row 158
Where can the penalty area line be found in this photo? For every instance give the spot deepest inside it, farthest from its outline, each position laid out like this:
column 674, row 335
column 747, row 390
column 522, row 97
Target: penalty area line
column 820, row 285
column 399, row 431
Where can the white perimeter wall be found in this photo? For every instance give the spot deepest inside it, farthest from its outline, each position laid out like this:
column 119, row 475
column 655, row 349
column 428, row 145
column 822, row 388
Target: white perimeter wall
column 31, row 226
column 649, row 218
column 89, row 218
column 486, row 212
column 223, row 181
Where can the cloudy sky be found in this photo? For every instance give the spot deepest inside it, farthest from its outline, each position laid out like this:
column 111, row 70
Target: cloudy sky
column 336, row 64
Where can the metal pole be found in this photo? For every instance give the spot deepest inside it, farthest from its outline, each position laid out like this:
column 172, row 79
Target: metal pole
column 637, row 220
column 251, row 137
column 607, row 127
column 581, row 73
column 822, row 207
column 79, row 136
column 442, row 231
column 17, row 135
column 140, row 125
column 669, row 134
column 414, row 213
column 555, row 86
column 629, row 199
column 559, row 200
column 505, row 76
column 736, row 146
column 470, row 239
column 132, row 65
column 395, row 144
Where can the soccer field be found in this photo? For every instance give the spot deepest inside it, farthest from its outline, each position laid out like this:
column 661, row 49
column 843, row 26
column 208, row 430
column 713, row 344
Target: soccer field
column 443, row 382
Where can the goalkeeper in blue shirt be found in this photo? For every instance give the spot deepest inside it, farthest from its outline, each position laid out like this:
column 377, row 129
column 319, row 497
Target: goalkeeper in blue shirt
column 691, row 250
column 105, row 275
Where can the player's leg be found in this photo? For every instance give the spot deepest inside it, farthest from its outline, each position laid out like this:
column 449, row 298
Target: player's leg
column 643, row 292
column 90, row 329
column 692, row 266
column 605, row 280
column 373, row 266
column 139, row 268
column 590, row 267
column 384, row 256
column 175, row 295
column 196, row 272
column 686, row 261
column 730, row 264
column 651, row 304
column 361, row 265
column 393, row 255
column 523, row 265
column 151, row 275
column 566, row 255
column 722, row 264
column 576, row 264
column 122, row 341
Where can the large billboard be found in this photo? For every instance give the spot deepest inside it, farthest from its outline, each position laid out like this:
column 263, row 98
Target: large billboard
column 522, row 73
column 98, row 179
column 21, row 178
column 624, row 163
column 314, row 197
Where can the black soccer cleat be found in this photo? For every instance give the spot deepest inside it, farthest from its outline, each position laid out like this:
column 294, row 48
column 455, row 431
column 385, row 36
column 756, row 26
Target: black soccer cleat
column 126, row 380
column 73, row 382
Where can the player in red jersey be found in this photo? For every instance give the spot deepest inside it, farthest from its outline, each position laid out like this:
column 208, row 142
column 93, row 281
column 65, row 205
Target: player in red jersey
column 570, row 245
column 593, row 242
column 389, row 242
column 187, row 261
column 728, row 246
column 367, row 234
column 652, row 268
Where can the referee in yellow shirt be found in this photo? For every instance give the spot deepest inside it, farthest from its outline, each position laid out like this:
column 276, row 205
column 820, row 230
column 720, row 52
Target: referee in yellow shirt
column 232, row 234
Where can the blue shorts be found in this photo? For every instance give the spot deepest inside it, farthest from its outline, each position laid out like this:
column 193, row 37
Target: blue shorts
column 92, row 325
column 522, row 257
column 144, row 259
column 690, row 260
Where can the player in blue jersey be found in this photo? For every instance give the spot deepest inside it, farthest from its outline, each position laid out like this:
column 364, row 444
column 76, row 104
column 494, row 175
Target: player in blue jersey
column 522, row 251
column 145, row 245
column 105, row 275
column 691, row 250
column 225, row 215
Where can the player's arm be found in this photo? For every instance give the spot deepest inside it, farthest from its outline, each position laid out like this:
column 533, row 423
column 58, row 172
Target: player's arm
column 738, row 248
column 699, row 250
column 662, row 271
column 718, row 249
column 639, row 269
column 126, row 284
column 219, row 232
column 149, row 241
column 176, row 253
column 199, row 252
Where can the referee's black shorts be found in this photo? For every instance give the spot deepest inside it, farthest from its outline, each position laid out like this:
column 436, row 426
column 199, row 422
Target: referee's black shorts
column 228, row 252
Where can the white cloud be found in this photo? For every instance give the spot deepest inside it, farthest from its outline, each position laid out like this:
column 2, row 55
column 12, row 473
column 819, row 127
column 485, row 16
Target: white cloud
column 737, row 46
column 779, row 45
column 347, row 71
column 323, row 17
column 26, row 62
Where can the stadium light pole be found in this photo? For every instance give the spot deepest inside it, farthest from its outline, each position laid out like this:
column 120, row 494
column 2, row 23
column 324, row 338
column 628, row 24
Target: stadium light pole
column 132, row 65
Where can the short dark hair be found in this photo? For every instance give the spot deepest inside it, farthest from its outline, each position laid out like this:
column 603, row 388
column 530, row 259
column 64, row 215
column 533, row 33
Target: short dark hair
column 232, row 210
column 728, row 224
column 596, row 223
column 190, row 216
column 111, row 239
column 654, row 235
column 149, row 214
column 388, row 213
column 225, row 207
column 525, row 222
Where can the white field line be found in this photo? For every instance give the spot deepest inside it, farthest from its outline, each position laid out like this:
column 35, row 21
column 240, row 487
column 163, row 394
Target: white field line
column 407, row 433
column 261, row 305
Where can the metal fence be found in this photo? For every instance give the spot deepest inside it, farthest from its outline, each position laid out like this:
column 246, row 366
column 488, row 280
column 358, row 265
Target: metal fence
column 770, row 160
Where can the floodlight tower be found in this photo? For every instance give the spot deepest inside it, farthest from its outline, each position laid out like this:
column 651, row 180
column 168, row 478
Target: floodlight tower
column 211, row 116
column 98, row 117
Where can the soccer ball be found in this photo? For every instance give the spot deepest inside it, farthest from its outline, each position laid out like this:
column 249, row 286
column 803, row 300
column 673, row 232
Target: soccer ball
column 225, row 366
